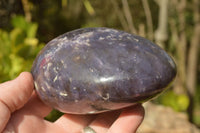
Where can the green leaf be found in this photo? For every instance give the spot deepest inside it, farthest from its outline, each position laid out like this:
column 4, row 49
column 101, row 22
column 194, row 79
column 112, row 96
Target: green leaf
column 19, row 22
column 16, row 65
column 17, row 36
column 31, row 41
column 4, row 43
column 31, row 30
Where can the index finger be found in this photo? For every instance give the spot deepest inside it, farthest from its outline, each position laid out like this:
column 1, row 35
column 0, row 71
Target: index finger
column 129, row 120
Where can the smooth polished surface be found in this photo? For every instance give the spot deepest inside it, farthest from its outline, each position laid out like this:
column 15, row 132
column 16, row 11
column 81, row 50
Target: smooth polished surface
column 93, row 70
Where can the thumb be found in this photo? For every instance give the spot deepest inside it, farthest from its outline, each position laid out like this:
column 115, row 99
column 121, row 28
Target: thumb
column 13, row 95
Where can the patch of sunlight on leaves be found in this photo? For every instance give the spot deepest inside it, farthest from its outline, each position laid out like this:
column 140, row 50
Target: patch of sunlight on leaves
column 31, row 41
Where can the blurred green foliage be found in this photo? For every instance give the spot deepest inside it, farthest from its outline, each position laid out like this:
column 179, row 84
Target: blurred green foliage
column 18, row 48
column 178, row 102
column 53, row 115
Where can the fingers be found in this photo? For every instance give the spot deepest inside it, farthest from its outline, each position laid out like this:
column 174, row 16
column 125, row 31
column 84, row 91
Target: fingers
column 31, row 124
column 36, row 107
column 13, row 95
column 74, row 123
column 120, row 121
column 128, row 121
column 4, row 115
column 103, row 121
column 16, row 93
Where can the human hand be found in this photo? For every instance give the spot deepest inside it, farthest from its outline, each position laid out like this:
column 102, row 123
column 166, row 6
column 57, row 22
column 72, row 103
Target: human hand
column 21, row 111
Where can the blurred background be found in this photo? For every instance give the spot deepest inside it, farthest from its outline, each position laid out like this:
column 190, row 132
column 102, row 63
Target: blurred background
column 27, row 25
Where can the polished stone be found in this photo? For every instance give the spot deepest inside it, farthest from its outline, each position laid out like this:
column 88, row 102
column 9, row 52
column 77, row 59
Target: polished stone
column 94, row 70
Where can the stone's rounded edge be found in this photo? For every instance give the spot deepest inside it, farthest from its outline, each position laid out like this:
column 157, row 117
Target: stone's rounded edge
column 46, row 56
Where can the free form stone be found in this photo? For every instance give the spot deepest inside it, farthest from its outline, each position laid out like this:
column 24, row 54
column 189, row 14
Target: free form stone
column 94, row 70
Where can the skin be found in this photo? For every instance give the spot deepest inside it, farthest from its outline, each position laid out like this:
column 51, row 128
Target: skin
column 21, row 111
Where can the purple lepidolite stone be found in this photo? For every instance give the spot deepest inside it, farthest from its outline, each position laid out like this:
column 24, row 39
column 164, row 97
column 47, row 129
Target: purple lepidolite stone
column 94, row 70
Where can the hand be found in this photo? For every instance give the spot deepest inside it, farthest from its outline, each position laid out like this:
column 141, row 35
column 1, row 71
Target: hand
column 21, row 111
